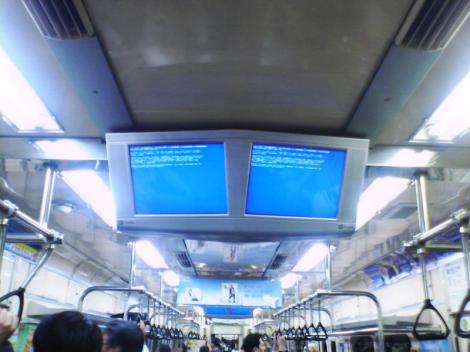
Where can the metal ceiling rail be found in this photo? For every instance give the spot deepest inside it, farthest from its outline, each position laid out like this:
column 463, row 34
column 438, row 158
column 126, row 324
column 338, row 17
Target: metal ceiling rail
column 10, row 211
column 319, row 294
column 44, row 235
column 140, row 291
column 422, row 238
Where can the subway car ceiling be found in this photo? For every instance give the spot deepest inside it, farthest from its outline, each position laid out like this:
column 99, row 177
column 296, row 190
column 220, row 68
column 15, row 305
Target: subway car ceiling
column 361, row 69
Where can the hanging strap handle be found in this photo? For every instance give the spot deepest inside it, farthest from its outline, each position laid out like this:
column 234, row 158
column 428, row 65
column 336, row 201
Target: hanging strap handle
column 430, row 335
column 322, row 335
column 19, row 292
column 459, row 316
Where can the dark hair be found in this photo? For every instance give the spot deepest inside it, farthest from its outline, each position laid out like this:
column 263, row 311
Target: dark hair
column 164, row 348
column 203, row 349
column 124, row 334
column 67, row 331
column 216, row 342
column 250, row 342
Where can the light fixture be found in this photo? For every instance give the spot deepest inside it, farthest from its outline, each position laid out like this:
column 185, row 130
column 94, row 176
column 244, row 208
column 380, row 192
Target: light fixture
column 94, row 191
column 289, row 280
column 66, row 149
column 171, row 278
column 376, row 197
column 407, row 157
column 312, row 257
column 20, row 106
column 451, row 119
column 150, row 255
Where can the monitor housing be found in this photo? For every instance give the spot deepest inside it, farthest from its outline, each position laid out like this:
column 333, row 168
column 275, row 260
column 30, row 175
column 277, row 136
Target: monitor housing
column 235, row 223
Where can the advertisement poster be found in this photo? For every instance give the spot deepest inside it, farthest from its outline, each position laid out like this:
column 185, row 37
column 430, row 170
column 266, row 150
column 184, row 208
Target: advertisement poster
column 248, row 293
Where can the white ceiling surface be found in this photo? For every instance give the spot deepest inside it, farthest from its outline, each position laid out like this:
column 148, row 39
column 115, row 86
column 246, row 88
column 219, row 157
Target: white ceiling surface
column 288, row 65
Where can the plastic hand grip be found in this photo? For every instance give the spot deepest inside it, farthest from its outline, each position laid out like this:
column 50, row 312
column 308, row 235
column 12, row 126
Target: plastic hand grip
column 430, row 335
column 19, row 292
column 458, row 318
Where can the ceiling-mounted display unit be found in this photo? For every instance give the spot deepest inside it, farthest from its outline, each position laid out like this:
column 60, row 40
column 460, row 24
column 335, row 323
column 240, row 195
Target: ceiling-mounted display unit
column 236, row 185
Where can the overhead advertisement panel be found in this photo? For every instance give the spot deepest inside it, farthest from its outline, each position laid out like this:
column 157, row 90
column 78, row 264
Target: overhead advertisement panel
column 229, row 292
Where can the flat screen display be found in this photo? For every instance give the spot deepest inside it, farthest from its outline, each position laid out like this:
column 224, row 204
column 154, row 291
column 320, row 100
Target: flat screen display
column 295, row 181
column 178, row 179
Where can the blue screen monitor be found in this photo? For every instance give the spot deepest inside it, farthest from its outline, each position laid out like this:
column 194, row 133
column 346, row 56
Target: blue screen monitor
column 295, row 181
column 175, row 179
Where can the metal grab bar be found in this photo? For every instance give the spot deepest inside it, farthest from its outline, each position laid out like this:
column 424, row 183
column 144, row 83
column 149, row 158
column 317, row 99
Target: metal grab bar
column 140, row 291
column 322, row 293
column 464, row 231
column 429, row 335
column 9, row 210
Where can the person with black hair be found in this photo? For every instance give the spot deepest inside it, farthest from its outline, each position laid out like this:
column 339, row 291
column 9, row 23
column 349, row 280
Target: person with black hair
column 122, row 336
column 253, row 343
column 204, row 349
column 215, row 345
column 68, row 331
column 164, row 348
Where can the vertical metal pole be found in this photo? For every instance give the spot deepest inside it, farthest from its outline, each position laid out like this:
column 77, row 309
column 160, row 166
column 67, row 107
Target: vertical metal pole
column 161, row 284
column 3, row 235
column 297, row 290
column 424, row 223
column 329, row 269
column 132, row 265
column 465, row 231
column 47, row 194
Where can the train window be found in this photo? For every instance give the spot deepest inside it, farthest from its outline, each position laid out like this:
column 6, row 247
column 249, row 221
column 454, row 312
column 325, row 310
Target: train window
column 362, row 344
column 397, row 343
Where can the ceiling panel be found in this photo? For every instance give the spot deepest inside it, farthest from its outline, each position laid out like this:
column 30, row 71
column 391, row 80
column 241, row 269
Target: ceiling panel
column 298, row 65
column 230, row 257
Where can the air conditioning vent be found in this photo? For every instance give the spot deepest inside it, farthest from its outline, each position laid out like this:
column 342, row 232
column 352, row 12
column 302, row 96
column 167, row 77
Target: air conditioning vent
column 278, row 261
column 433, row 24
column 60, row 19
column 183, row 259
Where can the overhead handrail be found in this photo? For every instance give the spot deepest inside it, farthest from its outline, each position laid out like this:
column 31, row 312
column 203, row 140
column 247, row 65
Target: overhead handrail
column 9, row 211
column 424, row 220
column 464, row 231
column 137, row 290
column 319, row 294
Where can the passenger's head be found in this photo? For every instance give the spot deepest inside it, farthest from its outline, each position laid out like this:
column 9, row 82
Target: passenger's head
column 164, row 348
column 253, row 343
column 67, row 331
column 122, row 336
column 215, row 343
column 203, row 349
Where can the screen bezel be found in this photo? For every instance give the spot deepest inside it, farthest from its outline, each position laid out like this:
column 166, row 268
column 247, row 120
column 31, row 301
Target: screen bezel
column 236, row 225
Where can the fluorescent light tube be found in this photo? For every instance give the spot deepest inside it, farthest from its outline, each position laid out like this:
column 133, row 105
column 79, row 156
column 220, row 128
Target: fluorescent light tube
column 377, row 196
column 411, row 158
column 312, row 257
column 171, row 278
column 289, row 280
column 20, row 106
column 150, row 255
column 94, row 191
column 451, row 119
column 66, row 149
